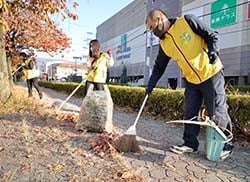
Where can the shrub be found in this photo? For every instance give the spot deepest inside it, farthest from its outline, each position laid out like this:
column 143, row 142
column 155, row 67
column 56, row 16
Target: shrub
column 165, row 103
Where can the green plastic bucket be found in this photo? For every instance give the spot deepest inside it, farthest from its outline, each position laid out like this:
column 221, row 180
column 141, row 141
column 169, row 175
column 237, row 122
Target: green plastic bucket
column 215, row 141
column 215, row 138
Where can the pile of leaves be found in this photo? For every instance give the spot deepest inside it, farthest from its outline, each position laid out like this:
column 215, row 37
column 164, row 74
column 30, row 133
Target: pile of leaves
column 101, row 143
column 67, row 116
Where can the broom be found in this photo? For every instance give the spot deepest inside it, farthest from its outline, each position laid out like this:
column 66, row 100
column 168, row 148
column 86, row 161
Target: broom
column 127, row 142
column 73, row 92
column 17, row 70
column 70, row 95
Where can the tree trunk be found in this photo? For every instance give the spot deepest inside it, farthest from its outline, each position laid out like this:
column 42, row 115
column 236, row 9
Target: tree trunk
column 5, row 75
column 9, row 73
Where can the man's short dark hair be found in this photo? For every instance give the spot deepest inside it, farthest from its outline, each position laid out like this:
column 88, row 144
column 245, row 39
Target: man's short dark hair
column 152, row 13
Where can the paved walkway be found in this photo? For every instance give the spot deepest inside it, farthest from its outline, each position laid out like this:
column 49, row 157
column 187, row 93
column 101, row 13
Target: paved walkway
column 157, row 163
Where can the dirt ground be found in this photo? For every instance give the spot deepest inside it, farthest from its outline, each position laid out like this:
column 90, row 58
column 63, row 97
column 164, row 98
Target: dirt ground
column 35, row 146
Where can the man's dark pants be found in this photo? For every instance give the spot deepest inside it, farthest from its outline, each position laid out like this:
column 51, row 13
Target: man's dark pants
column 213, row 93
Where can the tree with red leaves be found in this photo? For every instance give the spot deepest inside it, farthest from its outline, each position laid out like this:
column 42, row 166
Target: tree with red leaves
column 27, row 24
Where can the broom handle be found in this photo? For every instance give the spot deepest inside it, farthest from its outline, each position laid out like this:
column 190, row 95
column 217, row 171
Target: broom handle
column 17, row 70
column 72, row 93
column 140, row 111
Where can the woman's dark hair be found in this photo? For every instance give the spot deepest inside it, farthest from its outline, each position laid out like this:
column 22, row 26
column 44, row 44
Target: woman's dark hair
column 23, row 55
column 92, row 41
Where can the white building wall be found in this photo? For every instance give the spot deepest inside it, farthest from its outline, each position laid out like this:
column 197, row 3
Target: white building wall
column 135, row 47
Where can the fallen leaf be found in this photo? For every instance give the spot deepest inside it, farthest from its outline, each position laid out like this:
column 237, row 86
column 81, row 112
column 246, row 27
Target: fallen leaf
column 24, row 167
column 127, row 175
column 29, row 156
column 57, row 167
column 78, row 151
column 171, row 167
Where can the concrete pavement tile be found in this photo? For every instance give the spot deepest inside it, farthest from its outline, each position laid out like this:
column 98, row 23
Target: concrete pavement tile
column 171, row 156
column 139, row 163
column 198, row 171
column 154, row 151
column 237, row 172
column 226, row 165
column 174, row 174
column 223, row 177
column 242, row 158
column 191, row 178
column 178, row 167
column 235, row 179
column 209, row 164
column 181, row 166
column 168, row 165
column 167, row 179
column 212, row 178
column 157, row 173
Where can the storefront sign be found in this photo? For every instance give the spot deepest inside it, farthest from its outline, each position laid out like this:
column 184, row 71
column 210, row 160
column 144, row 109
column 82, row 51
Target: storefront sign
column 223, row 12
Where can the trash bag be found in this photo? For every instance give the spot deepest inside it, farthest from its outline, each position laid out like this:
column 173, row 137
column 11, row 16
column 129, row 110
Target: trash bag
column 96, row 112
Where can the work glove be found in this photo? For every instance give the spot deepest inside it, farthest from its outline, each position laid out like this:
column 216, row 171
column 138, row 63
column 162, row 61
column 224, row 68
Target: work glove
column 149, row 90
column 212, row 55
column 109, row 53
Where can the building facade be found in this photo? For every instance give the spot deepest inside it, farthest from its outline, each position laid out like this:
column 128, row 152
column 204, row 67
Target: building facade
column 65, row 70
column 125, row 34
column 56, row 69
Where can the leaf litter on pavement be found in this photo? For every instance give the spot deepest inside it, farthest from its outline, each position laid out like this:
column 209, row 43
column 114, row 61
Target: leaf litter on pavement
column 35, row 145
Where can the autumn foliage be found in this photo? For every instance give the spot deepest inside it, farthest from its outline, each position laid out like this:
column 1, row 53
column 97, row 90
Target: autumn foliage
column 30, row 24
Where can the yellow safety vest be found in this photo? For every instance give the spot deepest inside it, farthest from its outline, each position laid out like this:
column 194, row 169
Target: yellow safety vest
column 189, row 50
column 99, row 72
column 30, row 73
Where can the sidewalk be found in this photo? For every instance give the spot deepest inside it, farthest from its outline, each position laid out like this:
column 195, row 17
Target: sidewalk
column 157, row 163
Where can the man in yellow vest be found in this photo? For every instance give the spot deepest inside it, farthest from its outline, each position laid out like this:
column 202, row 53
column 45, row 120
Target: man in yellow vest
column 98, row 64
column 31, row 74
column 193, row 45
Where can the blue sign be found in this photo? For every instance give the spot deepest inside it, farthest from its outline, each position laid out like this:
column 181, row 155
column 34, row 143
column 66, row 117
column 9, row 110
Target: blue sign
column 123, row 52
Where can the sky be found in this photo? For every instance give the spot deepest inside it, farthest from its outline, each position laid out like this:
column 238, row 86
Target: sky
column 91, row 13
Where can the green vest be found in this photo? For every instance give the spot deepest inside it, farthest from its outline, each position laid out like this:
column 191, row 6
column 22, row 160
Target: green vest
column 189, row 50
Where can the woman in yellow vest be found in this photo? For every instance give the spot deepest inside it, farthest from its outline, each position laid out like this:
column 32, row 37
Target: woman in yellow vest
column 98, row 63
column 31, row 74
column 193, row 45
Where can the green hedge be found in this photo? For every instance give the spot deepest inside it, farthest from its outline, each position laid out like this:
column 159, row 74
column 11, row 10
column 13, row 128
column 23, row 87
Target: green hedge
column 65, row 87
column 238, row 89
column 239, row 106
column 165, row 103
column 162, row 102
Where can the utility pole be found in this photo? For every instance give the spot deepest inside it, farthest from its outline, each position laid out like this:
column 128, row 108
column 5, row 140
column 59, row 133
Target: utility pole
column 150, row 7
column 180, row 75
column 150, row 54
column 76, row 58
